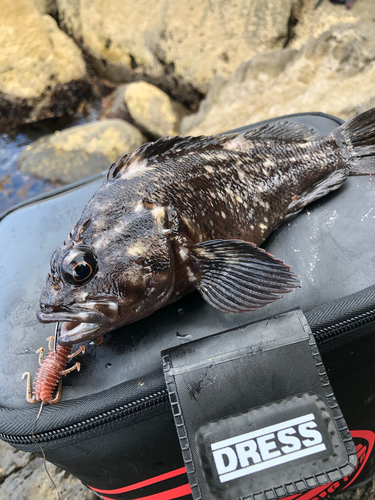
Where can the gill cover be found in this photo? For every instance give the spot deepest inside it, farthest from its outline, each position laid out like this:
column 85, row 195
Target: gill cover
column 102, row 279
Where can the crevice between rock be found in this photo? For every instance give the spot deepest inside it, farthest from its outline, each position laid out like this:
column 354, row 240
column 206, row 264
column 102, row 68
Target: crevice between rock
column 294, row 18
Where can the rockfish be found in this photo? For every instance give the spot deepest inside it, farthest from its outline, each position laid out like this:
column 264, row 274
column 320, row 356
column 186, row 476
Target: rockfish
column 187, row 213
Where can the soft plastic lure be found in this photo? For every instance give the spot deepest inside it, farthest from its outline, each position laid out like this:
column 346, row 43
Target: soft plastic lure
column 50, row 372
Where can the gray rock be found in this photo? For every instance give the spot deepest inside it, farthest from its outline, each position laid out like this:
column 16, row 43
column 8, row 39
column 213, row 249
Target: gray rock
column 366, row 492
column 12, row 460
column 79, row 152
column 23, row 477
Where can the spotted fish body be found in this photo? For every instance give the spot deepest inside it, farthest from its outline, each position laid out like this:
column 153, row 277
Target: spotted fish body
column 186, row 213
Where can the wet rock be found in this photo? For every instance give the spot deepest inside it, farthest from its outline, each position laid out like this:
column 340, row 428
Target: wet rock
column 178, row 46
column 80, row 151
column 333, row 73
column 42, row 72
column 152, row 110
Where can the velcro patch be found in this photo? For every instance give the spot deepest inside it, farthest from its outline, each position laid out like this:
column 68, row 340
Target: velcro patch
column 255, row 413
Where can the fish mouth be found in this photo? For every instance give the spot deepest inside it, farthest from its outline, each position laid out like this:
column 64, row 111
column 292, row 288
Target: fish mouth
column 83, row 322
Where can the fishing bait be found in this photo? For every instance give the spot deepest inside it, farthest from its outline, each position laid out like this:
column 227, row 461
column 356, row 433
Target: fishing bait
column 50, row 371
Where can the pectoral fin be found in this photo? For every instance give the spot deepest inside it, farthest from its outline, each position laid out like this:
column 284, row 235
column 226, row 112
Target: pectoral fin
column 236, row 276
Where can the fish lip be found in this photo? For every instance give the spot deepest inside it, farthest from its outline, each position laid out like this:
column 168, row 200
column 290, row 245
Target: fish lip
column 92, row 318
column 101, row 311
column 80, row 333
column 79, row 317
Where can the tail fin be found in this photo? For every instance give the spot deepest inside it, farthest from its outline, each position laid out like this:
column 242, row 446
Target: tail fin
column 357, row 136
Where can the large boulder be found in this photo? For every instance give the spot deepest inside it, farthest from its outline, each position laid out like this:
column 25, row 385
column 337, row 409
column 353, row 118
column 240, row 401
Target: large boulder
column 42, row 72
column 334, row 73
column 81, row 151
column 179, row 46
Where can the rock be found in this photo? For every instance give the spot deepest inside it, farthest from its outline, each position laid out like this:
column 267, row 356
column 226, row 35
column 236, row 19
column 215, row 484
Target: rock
column 80, row 151
column 365, row 492
column 42, row 72
column 314, row 22
column 152, row 110
column 29, row 481
column 178, row 46
column 46, row 7
column 12, row 460
column 333, row 74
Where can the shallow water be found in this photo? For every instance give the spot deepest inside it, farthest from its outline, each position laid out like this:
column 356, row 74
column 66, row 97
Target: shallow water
column 17, row 186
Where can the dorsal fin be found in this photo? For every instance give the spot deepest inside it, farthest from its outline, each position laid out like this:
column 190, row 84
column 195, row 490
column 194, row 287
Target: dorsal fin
column 283, row 131
column 172, row 145
column 115, row 168
column 167, row 146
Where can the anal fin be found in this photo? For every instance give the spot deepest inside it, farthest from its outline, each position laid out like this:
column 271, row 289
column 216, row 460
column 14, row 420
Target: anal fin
column 316, row 191
column 237, row 276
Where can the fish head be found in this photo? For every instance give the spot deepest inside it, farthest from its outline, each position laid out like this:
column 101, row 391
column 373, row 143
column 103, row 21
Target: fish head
column 114, row 270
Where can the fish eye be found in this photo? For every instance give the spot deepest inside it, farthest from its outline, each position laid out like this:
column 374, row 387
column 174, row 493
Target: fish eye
column 78, row 266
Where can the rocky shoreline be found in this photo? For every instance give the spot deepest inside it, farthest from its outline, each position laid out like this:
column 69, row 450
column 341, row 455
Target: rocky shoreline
column 160, row 68
column 248, row 62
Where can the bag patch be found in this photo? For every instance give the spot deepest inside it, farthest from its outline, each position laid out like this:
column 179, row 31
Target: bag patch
column 255, row 413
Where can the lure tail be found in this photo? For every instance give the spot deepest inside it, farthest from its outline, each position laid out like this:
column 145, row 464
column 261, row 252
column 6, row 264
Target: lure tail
column 356, row 138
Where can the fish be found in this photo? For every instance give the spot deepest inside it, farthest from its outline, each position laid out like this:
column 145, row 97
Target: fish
column 190, row 213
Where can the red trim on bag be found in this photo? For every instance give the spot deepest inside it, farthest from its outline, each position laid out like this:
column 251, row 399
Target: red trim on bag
column 363, row 452
column 370, row 438
column 324, row 491
column 178, row 492
column 147, row 482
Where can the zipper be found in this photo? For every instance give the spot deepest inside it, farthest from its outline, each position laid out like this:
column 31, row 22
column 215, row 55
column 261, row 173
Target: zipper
column 323, row 329
column 329, row 332
column 151, row 401
column 343, row 320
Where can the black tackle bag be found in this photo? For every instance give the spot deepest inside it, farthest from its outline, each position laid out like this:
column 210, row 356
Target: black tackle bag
column 192, row 402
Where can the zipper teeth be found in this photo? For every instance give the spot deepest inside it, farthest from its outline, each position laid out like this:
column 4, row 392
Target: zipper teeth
column 122, row 411
column 344, row 326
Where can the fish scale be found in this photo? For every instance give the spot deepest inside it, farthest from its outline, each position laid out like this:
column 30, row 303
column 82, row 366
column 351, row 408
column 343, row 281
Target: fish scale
column 187, row 213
